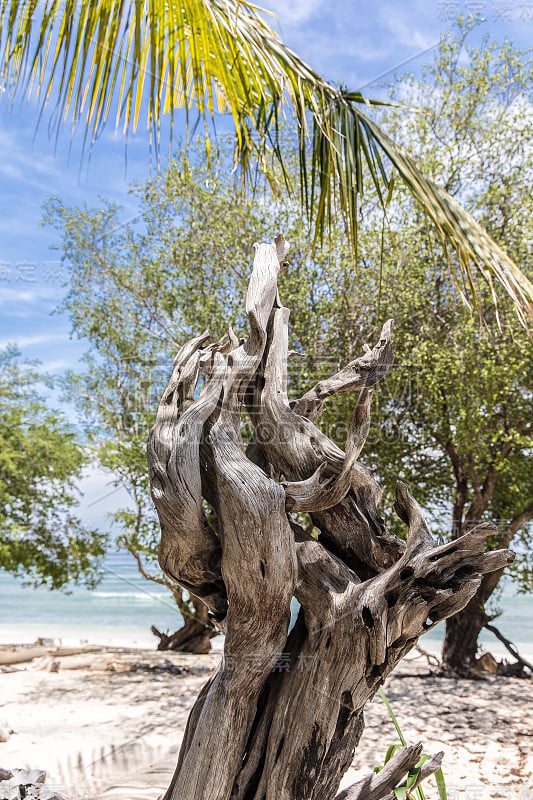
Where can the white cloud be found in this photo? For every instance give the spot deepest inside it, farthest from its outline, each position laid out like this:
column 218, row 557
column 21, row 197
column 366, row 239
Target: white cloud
column 99, row 497
column 35, row 296
column 26, row 167
column 38, row 338
column 59, row 365
column 354, row 43
column 416, row 32
column 292, row 13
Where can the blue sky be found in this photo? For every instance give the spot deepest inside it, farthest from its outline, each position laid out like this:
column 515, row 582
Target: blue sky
column 350, row 42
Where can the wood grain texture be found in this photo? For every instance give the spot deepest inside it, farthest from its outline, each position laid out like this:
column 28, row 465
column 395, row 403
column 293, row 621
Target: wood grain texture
column 281, row 718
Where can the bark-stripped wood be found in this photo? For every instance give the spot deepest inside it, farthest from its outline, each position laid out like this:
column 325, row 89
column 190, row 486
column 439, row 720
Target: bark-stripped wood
column 380, row 785
column 283, row 714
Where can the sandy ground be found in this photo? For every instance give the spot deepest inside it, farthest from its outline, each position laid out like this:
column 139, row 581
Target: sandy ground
column 103, row 730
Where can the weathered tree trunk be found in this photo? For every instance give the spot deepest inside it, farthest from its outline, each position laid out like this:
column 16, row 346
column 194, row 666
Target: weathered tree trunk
column 281, row 717
column 459, row 651
column 194, row 636
column 460, row 646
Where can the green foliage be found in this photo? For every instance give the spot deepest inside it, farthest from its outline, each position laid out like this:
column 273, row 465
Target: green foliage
column 452, row 417
column 40, row 461
column 153, row 57
column 458, row 404
column 138, row 289
column 461, row 408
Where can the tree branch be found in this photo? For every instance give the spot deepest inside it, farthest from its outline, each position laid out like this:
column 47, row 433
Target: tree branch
column 295, row 447
column 363, row 372
column 521, row 519
column 379, row 786
column 483, row 498
column 461, row 481
column 509, row 645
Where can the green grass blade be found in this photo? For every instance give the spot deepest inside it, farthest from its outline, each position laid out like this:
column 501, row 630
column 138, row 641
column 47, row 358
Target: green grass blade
column 441, row 784
column 392, row 716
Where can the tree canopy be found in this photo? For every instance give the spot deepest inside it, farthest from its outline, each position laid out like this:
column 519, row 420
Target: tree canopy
column 467, row 397
column 454, row 410
column 41, row 540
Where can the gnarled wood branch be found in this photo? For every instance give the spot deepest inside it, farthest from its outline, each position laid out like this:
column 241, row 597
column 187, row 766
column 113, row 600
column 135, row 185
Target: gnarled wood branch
column 283, row 714
column 379, row 786
column 363, row 372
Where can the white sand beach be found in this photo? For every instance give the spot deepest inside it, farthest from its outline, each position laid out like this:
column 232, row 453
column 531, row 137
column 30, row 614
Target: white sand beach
column 108, row 724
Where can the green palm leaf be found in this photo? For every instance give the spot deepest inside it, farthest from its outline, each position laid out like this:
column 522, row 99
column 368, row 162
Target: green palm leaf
column 149, row 58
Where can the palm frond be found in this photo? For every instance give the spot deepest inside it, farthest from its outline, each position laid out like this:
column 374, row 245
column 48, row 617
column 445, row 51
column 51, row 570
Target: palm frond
column 151, row 57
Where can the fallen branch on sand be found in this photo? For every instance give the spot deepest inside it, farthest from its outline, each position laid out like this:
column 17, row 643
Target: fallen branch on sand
column 21, row 654
column 521, row 662
column 20, row 783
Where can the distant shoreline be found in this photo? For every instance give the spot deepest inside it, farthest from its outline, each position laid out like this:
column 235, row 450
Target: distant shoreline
column 122, row 608
column 107, row 637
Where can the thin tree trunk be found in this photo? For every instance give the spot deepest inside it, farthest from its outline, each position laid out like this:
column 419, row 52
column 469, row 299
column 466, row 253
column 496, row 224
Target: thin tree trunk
column 281, row 717
column 459, row 649
column 460, row 645
column 194, row 636
column 197, row 630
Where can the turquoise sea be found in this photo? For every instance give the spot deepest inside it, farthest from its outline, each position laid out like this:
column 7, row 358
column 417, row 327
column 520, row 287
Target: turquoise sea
column 120, row 610
column 124, row 605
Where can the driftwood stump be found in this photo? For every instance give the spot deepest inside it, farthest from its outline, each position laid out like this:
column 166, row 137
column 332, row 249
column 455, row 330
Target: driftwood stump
column 281, row 717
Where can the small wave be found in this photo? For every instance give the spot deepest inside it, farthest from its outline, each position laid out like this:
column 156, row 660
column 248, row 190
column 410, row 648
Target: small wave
column 129, row 596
